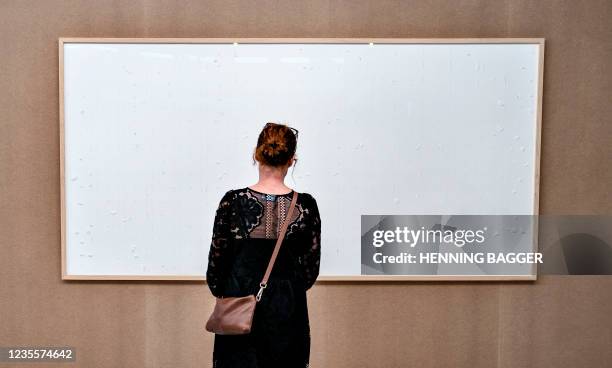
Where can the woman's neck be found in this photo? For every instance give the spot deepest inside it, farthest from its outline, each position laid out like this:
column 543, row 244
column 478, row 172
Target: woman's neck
column 271, row 181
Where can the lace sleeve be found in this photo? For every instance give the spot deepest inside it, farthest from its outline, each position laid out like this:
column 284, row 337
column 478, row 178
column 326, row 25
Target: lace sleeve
column 218, row 256
column 312, row 255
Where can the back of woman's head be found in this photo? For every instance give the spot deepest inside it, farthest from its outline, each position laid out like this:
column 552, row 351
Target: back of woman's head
column 276, row 145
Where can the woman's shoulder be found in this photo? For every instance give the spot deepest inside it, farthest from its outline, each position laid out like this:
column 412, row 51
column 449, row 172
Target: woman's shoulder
column 306, row 195
column 307, row 199
column 229, row 195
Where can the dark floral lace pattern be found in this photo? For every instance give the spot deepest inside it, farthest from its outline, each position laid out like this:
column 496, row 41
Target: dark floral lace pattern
column 247, row 215
column 218, row 256
column 299, row 223
column 310, row 260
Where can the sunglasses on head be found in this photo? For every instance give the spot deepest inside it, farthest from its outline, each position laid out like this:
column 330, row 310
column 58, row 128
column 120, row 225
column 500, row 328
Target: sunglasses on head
column 295, row 131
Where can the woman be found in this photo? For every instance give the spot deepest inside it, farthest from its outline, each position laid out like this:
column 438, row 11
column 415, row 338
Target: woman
column 247, row 223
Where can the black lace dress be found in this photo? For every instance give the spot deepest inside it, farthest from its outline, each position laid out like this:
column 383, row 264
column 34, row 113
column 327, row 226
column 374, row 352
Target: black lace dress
column 247, row 223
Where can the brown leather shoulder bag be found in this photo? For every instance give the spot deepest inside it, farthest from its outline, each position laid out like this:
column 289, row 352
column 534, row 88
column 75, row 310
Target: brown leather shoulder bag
column 234, row 315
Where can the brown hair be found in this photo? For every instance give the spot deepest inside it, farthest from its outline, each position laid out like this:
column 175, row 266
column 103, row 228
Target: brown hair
column 276, row 145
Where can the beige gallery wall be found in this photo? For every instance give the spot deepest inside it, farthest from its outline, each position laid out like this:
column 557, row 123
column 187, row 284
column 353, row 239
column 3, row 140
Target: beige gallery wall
column 558, row 321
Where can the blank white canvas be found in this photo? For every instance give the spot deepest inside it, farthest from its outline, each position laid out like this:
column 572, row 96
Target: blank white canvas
column 156, row 133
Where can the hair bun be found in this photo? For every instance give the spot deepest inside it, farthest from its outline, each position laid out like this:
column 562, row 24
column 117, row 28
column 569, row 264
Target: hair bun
column 273, row 149
column 276, row 145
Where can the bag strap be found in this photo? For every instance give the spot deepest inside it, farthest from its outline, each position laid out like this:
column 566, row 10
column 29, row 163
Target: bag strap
column 281, row 236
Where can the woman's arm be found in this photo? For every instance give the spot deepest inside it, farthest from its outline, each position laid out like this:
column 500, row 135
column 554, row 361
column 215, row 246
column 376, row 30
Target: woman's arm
column 310, row 260
column 219, row 254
